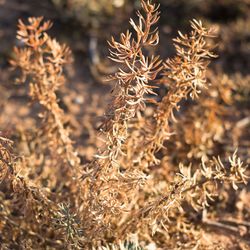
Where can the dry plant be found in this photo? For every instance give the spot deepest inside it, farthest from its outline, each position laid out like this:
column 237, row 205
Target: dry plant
column 197, row 188
column 184, row 75
column 26, row 210
column 133, row 189
column 42, row 60
column 110, row 187
column 202, row 127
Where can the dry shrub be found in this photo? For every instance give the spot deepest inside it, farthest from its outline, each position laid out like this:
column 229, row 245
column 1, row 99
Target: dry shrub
column 154, row 175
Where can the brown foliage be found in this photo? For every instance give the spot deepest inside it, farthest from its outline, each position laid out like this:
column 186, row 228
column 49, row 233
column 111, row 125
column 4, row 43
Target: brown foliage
column 49, row 199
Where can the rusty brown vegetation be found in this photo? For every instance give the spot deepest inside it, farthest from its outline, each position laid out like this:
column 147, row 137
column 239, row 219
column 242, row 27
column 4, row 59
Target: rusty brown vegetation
column 167, row 163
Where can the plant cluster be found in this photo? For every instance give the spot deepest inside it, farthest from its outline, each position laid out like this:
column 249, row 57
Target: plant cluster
column 157, row 171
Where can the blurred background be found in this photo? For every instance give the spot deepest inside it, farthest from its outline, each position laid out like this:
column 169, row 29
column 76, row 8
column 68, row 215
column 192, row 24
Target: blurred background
column 86, row 25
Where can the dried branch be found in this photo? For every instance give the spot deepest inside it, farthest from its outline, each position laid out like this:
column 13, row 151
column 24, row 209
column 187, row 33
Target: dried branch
column 41, row 62
column 109, row 185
